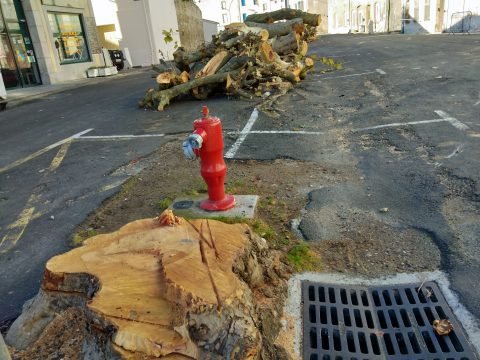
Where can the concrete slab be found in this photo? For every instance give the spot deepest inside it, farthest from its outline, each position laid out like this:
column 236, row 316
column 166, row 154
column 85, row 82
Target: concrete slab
column 189, row 207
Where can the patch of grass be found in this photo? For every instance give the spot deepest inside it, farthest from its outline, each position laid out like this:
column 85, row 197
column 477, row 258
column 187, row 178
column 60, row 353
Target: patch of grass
column 198, row 188
column 302, row 258
column 261, row 228
column 129, row 185
column 235, row 186
column 81, row 236
column 164, row 203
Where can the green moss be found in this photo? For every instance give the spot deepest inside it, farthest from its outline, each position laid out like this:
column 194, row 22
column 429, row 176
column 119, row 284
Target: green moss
column 81, row 236
column 302, row 258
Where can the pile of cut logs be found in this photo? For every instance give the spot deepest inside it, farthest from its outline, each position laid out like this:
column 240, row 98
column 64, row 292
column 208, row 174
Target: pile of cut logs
column 266, row 54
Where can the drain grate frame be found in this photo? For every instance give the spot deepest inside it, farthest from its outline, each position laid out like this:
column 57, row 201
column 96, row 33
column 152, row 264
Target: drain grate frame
column 350, row 322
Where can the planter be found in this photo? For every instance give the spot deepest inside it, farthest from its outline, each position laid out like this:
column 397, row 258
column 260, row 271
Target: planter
column 91, row 73
column 107, row 71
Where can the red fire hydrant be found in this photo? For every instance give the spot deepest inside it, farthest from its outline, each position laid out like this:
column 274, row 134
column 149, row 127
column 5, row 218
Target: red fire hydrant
column 207, row 142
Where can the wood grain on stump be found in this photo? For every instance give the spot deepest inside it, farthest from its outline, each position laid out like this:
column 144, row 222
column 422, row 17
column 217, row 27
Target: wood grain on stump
column 167, row 290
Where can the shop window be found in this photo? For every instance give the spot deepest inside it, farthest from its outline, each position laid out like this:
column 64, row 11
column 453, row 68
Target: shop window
column 69, row 37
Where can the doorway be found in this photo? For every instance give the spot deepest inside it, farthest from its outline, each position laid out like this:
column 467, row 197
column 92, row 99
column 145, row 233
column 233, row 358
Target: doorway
column 18, row 64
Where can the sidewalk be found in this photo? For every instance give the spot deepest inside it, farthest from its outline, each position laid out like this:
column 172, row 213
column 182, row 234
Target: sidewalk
column 20, row 96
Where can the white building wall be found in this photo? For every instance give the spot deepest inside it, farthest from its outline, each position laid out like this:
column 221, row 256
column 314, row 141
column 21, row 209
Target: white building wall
column 162, row 16
column 456, row 10
column 142, row 24
column 210, row 28
column 222, row 12
column 135, row 33
column 449, row 19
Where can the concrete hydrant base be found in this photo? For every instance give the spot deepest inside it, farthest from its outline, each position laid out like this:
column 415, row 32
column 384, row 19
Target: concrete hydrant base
column 189, row 207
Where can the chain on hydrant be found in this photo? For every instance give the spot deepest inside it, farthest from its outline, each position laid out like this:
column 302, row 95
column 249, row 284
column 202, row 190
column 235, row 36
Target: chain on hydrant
column 206, row 141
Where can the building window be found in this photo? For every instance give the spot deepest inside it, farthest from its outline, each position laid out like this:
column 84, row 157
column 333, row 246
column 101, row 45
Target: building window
column 255, row 2
column 243, row 3
column 225, row 18
column 224, row 5
column 244, row 16
column 426, row 14
column 265, row 7
column 69, row 36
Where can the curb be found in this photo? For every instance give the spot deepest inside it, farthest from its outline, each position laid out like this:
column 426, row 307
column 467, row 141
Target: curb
column 4, row 354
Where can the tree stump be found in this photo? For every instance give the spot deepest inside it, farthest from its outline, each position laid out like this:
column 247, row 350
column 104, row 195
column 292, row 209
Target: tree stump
column 160, row 291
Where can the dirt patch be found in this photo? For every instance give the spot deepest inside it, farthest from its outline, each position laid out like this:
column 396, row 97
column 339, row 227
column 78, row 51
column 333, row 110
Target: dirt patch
column 283, row 187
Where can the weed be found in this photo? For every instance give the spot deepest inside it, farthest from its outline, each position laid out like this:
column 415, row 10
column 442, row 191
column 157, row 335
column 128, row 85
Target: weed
column 164, row 203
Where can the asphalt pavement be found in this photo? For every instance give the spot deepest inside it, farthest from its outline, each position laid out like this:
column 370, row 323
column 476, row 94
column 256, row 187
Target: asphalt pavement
column 404, row 112
column 64, row 153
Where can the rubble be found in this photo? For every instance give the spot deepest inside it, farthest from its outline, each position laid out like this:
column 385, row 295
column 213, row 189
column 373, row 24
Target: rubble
column 266, row 54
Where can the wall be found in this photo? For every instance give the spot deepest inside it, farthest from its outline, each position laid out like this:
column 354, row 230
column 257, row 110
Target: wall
column 108, row 37
column 212, row 10
column 210, row 28
column 161, row 16
column 454, row 13
column 135, row 33
column 190, row 24
column 107, row 23
column 319, row 7
column 444, row 16
column 42, row 38
column 364, row 16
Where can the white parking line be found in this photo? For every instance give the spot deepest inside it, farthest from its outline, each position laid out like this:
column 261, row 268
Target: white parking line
column 400, row 124
column 117, row 137
column 444, row 118
column 289, row 132
column 42, row 151
column 459, row 125
column 344, row 76
column 243, row 135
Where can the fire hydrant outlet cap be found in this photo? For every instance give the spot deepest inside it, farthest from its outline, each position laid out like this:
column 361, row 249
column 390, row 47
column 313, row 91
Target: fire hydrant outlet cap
column 196, row 141
column 188, row 151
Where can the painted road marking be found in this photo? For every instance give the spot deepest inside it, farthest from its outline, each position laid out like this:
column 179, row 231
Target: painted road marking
column 42, row 151
column 344, row 76
column 57, row 160
column 444, row 118
column 380, row 71
column 117, row 137
column 400, row 124
column 17, row 228
column 458, row 150
column 247, row 129
column 289, row 132
column 459, row 125
column 243, row 135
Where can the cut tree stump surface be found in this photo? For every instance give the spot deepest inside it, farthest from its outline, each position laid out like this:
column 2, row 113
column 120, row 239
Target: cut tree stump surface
column 150, row 277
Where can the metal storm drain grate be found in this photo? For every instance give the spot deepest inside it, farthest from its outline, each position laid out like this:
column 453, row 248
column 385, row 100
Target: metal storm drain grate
column 382, row 322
